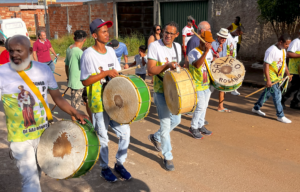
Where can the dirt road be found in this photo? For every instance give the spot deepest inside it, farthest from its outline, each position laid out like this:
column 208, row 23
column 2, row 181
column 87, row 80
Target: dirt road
column 245, row 153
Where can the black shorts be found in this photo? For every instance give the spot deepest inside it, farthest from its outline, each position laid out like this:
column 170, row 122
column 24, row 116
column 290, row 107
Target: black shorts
column 84, row 95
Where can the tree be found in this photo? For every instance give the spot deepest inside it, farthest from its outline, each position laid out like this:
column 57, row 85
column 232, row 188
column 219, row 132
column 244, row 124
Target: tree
column 283, row 15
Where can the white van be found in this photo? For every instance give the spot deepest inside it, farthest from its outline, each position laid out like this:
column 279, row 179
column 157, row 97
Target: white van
column 11, row 27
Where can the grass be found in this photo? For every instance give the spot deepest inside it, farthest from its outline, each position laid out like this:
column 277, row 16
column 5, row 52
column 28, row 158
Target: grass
column 132, row 42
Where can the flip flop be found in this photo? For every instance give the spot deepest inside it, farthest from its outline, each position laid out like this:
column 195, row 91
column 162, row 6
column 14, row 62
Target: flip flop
column 224, row 110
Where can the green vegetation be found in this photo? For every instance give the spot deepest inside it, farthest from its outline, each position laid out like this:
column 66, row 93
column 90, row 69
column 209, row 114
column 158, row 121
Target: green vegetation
column 132, row 42
column 283, row 15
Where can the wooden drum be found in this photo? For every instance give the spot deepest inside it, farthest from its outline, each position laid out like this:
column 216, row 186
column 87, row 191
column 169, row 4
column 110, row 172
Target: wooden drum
column 227, row 73
column 68, row 149
column 126, row 99
column 180, row 91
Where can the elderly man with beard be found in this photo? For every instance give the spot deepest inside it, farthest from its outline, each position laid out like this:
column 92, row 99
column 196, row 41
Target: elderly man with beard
column 24, row 140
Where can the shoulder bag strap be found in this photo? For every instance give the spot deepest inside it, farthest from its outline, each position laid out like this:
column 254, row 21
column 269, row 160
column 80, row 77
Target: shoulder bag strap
column 37, row 93
column 176, row 52
column 207, row 67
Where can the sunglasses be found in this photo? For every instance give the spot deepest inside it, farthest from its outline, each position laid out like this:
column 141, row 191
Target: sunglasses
column 158, row 29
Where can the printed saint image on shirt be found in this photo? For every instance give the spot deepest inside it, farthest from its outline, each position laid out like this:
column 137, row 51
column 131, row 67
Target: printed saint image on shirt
column 167, row 60
column 204, row 73
column 26, row 102
column 231, row 48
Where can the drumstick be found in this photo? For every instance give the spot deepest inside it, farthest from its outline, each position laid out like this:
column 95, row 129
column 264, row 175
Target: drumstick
column 203, row 40
column 129, row 69
column 266, row 86
column 62, row 96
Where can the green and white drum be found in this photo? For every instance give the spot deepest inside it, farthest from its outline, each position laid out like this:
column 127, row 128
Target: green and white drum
column 227, row 74
column 68, row 149
column 126, row 99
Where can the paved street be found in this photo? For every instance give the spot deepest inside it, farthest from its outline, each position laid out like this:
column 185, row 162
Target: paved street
column 246, row 152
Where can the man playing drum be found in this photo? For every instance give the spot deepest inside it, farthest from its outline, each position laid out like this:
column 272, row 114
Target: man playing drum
column 26, row 119
column 164, row 55
column 97, row 63
column 200, row 58
column 274, row 69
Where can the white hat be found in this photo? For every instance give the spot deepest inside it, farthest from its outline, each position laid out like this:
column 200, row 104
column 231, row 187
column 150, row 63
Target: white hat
column 223, row 33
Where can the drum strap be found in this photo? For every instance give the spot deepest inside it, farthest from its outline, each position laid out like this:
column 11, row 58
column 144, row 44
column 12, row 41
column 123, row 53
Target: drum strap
column 282, row 67
column 160, row 77
column 37, row 93
column 207, row 67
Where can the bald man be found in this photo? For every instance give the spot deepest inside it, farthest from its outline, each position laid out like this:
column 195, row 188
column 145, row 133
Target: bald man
column 26, row 119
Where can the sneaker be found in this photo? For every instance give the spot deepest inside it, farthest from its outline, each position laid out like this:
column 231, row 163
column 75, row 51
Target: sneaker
column 122, row 171
column 205, row 122
column 169, row 166
column 108, row 175
column 189, row 114
column 196, row 134
column 156, row 144
column 258, row 112
column 235, row 92
column 204, row 131
column 284, row 120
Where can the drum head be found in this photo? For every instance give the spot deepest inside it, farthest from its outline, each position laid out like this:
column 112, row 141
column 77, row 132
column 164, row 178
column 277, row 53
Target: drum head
column 227, row 71
column 121, row 100
column 61, row 149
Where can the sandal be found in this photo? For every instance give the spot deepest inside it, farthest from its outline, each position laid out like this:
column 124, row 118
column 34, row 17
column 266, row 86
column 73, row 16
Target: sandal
column 224, row 110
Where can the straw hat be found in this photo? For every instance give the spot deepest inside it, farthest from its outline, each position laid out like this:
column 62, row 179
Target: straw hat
column 223, row 33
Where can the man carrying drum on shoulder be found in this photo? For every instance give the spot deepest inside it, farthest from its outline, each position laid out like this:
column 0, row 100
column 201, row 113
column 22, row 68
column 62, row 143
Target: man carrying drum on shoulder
column 164, row 55
column 200, row 60
column 97, row 63
column 24, row 86
column 274, row 69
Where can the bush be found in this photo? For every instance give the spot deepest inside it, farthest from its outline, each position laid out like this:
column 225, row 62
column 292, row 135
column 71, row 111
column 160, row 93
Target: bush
column 132, row 42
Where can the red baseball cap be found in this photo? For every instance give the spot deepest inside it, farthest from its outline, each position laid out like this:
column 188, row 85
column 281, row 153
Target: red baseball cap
column 97, row 23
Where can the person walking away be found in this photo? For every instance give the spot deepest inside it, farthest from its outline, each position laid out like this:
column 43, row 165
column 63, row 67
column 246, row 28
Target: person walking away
column 294, row 64
column 200, row 60
column 4, row 56
column 274, row 69
column 141, row 61
column 26, row 119
column 72, row 68
column 163, row 55
column 232, row 27
column 97, row 63
column 41, row 48
column 120, row 50
column 187, row 34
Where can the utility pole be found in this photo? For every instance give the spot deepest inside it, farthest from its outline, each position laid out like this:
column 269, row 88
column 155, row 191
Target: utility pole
column 47, row 21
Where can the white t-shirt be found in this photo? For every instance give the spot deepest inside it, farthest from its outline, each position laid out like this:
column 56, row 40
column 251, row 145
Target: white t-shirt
column 187, row 32
column 138, row 60
column 232, row 45
column 274, row 57
column 295, row 45
column 25, row 115
column 162, row 54
column 91, row 61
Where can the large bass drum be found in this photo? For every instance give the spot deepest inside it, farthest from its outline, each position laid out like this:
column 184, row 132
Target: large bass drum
column 68, row 149
column 228, row 74
column 180, row 91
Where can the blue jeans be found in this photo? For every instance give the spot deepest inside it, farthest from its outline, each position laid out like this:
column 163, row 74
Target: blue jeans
column 276, row 94
column 101, row 122
column 167, row 123
column 200, row 111
column 51, row 65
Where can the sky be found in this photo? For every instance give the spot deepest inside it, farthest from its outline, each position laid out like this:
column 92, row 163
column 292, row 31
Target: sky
column 35, row 1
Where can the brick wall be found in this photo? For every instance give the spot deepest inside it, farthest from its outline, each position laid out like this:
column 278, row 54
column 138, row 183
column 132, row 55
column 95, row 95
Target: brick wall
column 26, row 15
column 78, row 17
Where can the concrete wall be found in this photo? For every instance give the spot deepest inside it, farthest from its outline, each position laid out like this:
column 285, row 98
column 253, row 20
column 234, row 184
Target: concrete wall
column 257, row 38
column 79, row 17
column 26, row 15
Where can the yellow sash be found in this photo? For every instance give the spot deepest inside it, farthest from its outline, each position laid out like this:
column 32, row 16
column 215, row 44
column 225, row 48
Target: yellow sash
column 37, row 93
column 208, row 69
column 282, row 67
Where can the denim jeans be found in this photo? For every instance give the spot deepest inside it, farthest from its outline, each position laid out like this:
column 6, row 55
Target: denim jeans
column 275, row 92
column 101, row 122
column 24, row 154
column 51, row 65
column 200, row 111
column 167, row 123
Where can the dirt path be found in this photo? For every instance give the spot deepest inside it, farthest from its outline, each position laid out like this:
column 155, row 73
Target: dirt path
column 245, row 153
